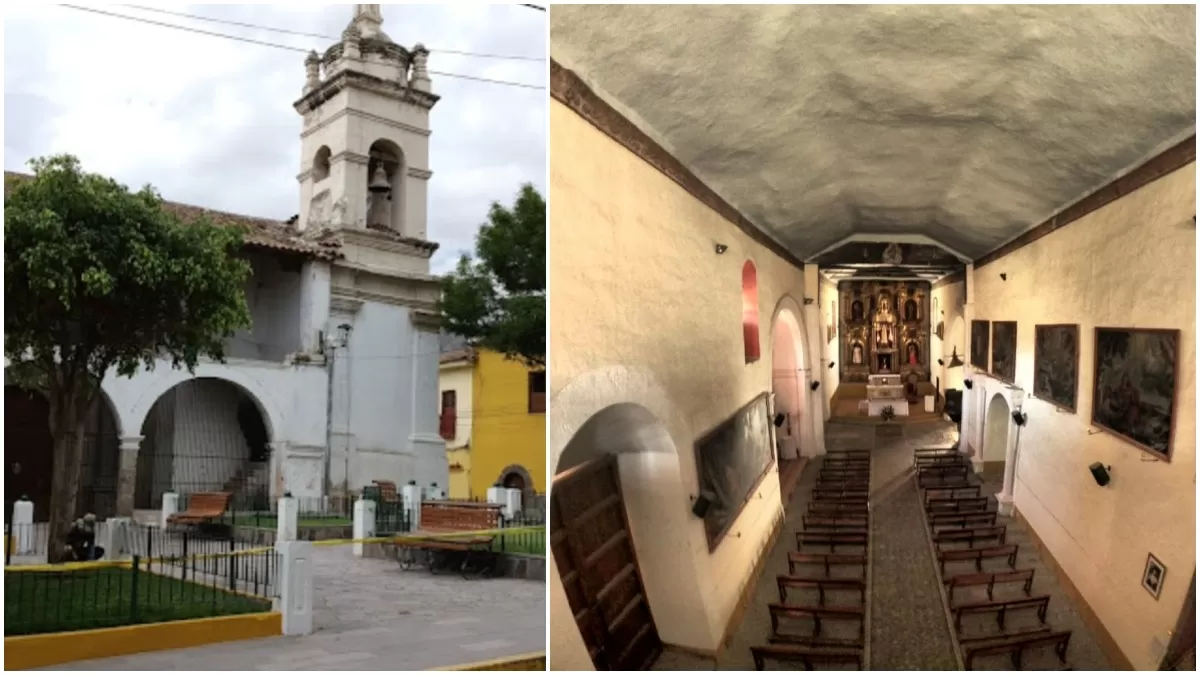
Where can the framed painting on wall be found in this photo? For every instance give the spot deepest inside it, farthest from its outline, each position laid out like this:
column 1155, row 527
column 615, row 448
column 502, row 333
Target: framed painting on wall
column 981, row 333
column 1153, row 576
column 1004, row 350
column 1133, row 395
column 1056, row 364
column 731, row 461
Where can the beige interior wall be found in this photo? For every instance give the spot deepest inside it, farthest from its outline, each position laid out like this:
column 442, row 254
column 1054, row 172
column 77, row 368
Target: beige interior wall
column 1131, row 263
column 642, row 303
column 950, row 299
column 831, row 378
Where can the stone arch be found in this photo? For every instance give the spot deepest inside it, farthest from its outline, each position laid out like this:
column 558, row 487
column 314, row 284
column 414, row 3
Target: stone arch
column 158, row 382
column 811, row 432
column 624, row 411
column 789, row 382
column 528, row 491
column 388, row 154
column 995, row 430
column 320, row 164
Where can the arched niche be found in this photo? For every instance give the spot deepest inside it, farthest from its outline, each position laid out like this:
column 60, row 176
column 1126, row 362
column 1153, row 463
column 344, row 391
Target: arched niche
column 320, row 164
column 750, row 334
column 385, row 210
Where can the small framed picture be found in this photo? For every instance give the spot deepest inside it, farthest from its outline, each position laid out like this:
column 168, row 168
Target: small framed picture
column 1153, row 576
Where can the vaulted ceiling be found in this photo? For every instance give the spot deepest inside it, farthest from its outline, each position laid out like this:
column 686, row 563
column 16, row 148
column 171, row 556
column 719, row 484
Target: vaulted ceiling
column 965, row 124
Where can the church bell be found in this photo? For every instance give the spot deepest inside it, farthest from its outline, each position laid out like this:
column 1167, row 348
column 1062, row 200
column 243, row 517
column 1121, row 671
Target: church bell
column 379, row 182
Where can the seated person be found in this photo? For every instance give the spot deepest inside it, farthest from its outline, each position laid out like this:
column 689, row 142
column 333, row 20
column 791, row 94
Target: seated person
column 81, row 540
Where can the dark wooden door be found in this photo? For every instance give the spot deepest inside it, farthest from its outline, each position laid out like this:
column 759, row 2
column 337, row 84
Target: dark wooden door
column 28, row 450
column 592, row 546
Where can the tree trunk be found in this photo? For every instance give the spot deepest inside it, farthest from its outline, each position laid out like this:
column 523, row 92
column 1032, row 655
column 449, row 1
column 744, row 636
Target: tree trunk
column 67, row 425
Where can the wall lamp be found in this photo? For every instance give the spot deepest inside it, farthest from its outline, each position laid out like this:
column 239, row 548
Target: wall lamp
column 720, row 248
column 941, row 362
column 831, row 365
column 814, row 385
column 1020, row 418
column 968, row 384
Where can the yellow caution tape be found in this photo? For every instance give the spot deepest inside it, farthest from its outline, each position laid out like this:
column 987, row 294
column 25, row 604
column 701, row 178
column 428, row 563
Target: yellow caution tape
column 391, row 539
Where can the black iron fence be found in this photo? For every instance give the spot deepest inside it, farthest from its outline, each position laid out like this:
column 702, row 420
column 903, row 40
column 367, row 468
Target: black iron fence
column 79, row 596
column 529, row 540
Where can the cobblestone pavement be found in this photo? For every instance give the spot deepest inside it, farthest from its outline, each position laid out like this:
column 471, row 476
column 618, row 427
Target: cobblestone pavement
column 370, row 615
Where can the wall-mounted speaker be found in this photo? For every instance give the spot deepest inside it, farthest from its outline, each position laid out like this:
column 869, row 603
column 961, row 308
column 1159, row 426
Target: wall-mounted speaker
column 814, row 385
column 1100, row 473
column 779, row 418
column 701, row 505
column 968, row 384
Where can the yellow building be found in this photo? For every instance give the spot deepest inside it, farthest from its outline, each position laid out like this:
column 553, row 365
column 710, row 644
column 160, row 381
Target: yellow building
column 494, row 422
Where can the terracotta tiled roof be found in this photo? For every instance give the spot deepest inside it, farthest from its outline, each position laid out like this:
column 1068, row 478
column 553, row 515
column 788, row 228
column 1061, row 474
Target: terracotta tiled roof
column 260, row 232
column 467, row 354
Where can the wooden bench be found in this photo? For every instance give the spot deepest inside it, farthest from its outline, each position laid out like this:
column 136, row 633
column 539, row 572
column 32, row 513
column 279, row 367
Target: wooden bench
column 822, row 508
column 954, row 505
column 202, row 507
column 835, row 521
column 826, row 560
column 935, row 452
column 845, row 473
column 1016, row 644
column 954, row 520
column 786, row 581
column 936, row 519
column 817, row 614
column 952, row 492
column 809, row 656
column 978, row 555
column 835, row 493
column 990, row 579
column 843, row 501
column 847, row 453
column 943, row 482
column 940, row 460
column 1038, row 603
column 387, row 491
column 844, row 485
column 970, row 535
column 452, row 517
column 833, row 541
column 837, row 529
column 943, row 471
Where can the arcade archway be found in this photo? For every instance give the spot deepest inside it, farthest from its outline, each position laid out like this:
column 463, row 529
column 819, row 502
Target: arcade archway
column 995, row 439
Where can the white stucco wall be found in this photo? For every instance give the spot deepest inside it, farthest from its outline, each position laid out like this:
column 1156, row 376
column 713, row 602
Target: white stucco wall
column 950, row 299
column 273, row 296
column 1131, row 263
column 640, row 253
column 832, row 377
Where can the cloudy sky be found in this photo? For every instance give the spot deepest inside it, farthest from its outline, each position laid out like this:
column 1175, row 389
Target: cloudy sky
column 209, row 121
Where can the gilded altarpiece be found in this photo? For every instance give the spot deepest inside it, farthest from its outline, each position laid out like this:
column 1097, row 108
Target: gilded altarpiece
column 884, row 329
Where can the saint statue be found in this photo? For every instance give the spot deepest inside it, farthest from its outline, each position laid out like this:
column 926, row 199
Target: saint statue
column 910, row 310
column 913, row 358
column 856, row 354
column 856, row 311
column 885, row 324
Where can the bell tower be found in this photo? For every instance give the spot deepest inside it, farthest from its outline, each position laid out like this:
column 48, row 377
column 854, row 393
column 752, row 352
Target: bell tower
column 364, row 148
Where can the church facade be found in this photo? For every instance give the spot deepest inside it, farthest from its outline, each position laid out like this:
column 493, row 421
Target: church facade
column 336, row 382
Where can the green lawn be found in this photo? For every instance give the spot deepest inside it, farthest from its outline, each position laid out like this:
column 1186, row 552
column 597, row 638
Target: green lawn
column 49, row 602
column 270, row 523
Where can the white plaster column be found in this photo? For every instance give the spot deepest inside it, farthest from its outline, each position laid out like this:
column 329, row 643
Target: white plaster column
column 426, row 445
column 278, row 478
column 127, row 474
column 296, row 586
column 965, row 426
column 411, row 496
column 496, row 495
column 170, row 506
column 286, row 519
column 512, row 502
column 1005, row 497
column 315, row 289
column 814, row 408
column 364, row 523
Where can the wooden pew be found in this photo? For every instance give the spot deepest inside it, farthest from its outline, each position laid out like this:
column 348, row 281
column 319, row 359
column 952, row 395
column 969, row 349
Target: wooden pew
column 951, row 521
column 817, row 614
column 1038, row 603
column 943, row 471
column 826, row 560
column 970, row 535
column 843, row 501
column 952, row 492
column 943, row 481
column 943, row 460
column 1015, row 645
column 847, row 453
column 833, row 541
column 837, row 529
column 844, row 485
column 786, row 581
column 835, row 493
column 824, row 509
column 990, row 579
column 955, row 505
column 809, row 656
column 978, row 555
column 936, row 519
column 835, row 521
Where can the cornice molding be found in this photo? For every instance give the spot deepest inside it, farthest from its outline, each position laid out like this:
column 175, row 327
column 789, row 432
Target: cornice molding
column 424, row 174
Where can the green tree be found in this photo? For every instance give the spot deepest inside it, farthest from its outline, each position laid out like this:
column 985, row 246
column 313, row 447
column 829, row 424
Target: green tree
column 498, row 299
column 99, row 278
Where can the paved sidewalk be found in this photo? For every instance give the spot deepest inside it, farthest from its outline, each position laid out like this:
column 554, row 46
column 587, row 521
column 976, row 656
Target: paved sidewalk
column 370, row 615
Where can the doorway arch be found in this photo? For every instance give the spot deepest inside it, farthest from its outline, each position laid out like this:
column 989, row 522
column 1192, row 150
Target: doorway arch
column 29, row 457
column 956, row 341
column 205, row 434
column 995, row 438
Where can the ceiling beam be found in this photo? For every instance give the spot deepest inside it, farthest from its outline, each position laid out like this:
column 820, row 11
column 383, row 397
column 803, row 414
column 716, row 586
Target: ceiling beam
column 887, row 238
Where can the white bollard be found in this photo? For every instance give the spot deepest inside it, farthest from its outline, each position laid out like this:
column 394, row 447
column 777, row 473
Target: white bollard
column 22, row 527
column 435, row 493
column 411, row 495
column 296, row 586
column 170, row 507
column 512, row 502
column 364, row 523
column 286, row 520
column 496, row 494
column 116, row 544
